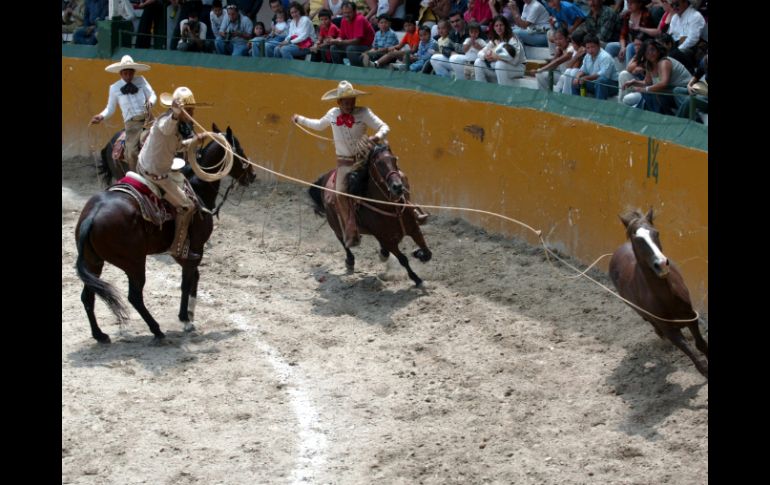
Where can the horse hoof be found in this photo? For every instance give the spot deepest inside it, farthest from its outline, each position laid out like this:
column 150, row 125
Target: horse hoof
column 103, row 339
column 422, row 255
column 189, row 327
column 383, row 255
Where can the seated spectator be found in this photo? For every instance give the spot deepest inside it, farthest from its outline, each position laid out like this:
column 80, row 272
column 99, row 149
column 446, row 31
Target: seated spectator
column 409, row 42
column 635, row 69
column 234, row 33
column 258, row 41
column 335, row 6
column 597, row 73
column 328, row 31
column 479, row 12
column 72, row 16
column 471, row 47
column 301, row 35
column 314, row 7
column 636, row 17
column 278, row 32
column 384, row 38
column 443, row 49
column 502, row 60
column 395, row 10
column 674, row 53
column 663, row 75
column 565, row 14
column 193, row 34
column 665, row 19
column 686, row 27
column 531, row 24
column 431, row 11
column 216, row 16
column 425, row 49
column 356, row 36
column 563, row 55
column 698, row 88
column 564, row 84
column 94, row 10
column 603, row 21
column 442, row 61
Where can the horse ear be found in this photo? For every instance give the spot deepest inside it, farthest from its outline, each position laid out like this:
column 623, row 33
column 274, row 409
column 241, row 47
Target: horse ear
column 215, row 128
column 649, row 215
column 626, row 218
column 229, row 133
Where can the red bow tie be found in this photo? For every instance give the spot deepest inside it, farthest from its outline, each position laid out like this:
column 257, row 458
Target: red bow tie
column 345, row 119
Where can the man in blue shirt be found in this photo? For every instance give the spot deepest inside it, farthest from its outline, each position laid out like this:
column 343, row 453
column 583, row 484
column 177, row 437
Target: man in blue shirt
column 599, row 67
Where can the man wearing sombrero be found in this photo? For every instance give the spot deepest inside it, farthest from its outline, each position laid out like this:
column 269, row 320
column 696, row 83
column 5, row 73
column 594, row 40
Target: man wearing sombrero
column 157, row 157
column 135, row 97
column 348, row 124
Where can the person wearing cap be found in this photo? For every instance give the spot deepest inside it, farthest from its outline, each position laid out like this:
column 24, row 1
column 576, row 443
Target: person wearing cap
column 234, row 33
column 156, row 161
column 135, row 96
column 349, row 123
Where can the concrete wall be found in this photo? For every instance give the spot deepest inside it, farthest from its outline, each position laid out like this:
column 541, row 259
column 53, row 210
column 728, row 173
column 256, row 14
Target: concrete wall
column 566, row 176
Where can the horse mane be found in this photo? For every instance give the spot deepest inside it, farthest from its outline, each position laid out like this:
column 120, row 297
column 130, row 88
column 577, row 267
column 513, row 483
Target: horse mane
column 633, row 218
column 358, row 178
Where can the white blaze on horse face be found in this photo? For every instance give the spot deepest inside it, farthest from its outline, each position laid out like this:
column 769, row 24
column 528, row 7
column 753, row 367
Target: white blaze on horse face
column 659, row 259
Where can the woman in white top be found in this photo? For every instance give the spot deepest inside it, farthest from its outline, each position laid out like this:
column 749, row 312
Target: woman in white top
column 301, row 35
column 502, row 60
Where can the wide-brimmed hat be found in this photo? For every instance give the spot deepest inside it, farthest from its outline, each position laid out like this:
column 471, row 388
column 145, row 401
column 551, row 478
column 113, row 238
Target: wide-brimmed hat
column 183, row 95
column 126, row 62
column 343, row 90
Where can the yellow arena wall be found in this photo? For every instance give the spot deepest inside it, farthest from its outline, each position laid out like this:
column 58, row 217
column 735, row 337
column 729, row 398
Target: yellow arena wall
column 568, row 177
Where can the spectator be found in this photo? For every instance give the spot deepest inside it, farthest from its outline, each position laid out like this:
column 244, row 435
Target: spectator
column 335, row 6
column 635, row 18
column 603, row 21
column 444, row 48
column 564, row 84
column 216, row 16
column 686, row 27
column 322, row 49
column 258, row 41
column 205, row 17
column 409, row 42
column 152, row 20
column 426, row 48
column 72, row 16
column 95, row 10
column 635, row 69
column 462, row 64
column 479, row 12
column 663, row 75
column 665, row 19
column 442, row 62
column 564, row 14
column 673, row 51
column 193, row 34
column 698, row 88
column 532, row 24
column 301, row 34
column 502, row 60
column 597, row 73
column 356, row 36
column 279, row 28
column 395, row 11
column 383, row 39
column 185, row 7
column 234, row 33
column 431, row 11
column 249, row 8
column 564, row 53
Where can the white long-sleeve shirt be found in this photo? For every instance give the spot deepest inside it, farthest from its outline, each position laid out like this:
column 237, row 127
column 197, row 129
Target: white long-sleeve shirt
column 130, row 104
column 303, row 29
column 690, row 24
column 164, row 140
column 346, row 139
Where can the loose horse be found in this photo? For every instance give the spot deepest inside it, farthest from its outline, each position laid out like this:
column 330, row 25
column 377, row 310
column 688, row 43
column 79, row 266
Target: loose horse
column 111, row 229
column 643, row 275
column 379, row 179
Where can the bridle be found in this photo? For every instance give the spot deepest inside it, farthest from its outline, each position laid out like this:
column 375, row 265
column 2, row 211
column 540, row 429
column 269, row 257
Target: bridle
column 233, row 180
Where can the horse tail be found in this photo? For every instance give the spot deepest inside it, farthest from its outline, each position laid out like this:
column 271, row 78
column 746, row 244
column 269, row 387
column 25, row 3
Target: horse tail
column 317, row 195
column 104, row 290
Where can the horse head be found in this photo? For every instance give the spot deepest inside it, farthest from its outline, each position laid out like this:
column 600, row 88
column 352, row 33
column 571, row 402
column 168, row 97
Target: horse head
column 645, row 241
column 383, row 168
column 242, row 171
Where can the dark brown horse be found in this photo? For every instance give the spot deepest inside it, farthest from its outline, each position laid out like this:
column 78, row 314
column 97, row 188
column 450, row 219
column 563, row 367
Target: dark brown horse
column 378, row 179
column 643, row 275
column 111, row 229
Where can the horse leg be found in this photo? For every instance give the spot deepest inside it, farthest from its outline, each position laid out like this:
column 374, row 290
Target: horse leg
column 350, row 260
column 413, row 230
column 135, row 288
column 405, row 263
column 190, row 276
column 88, row 297
column 384, row 253
column 676, row 337
column 700, row 343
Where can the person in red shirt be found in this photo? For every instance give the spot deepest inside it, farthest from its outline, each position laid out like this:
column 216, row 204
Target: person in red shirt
column 356, row 36
column 326, row 32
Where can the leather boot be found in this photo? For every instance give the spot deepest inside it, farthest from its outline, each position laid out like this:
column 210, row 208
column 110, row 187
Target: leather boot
column 180, row 246
column 349, row 226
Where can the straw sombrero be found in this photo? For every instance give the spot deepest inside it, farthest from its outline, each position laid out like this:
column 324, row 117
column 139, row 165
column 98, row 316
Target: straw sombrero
column 184, row 96
column 126, row 63
column 343, row 90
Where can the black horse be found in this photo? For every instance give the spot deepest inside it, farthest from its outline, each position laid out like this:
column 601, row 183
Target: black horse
column 111, row 228
column 378, row 179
